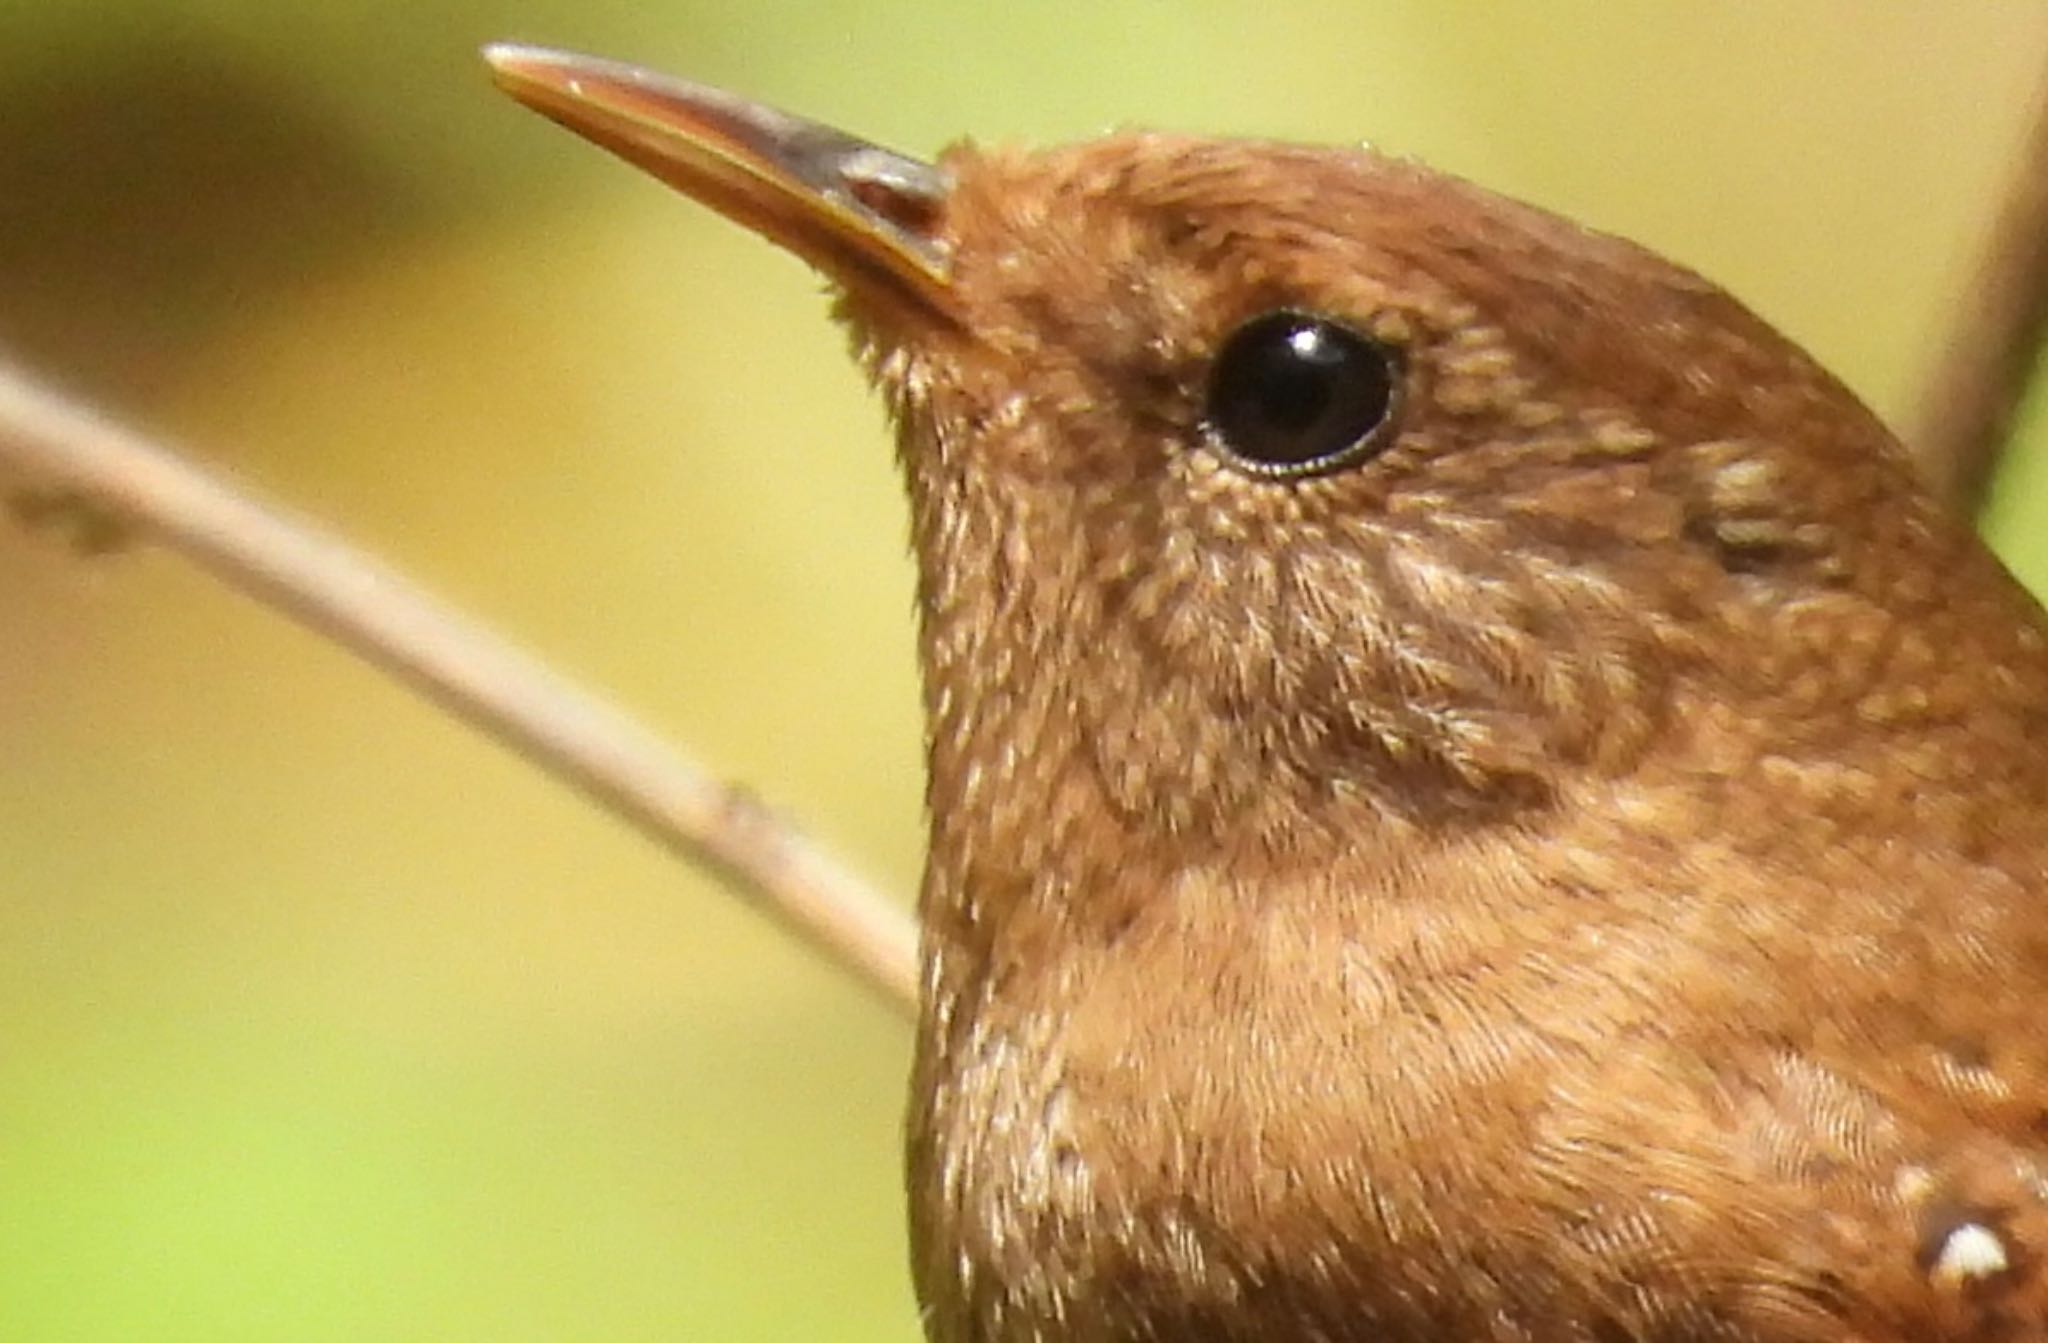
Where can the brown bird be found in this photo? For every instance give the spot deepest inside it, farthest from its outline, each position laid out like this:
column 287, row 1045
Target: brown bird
column 1473, row 794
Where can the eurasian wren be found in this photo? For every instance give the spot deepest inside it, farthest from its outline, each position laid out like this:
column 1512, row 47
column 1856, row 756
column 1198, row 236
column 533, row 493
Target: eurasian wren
column 1473, row 795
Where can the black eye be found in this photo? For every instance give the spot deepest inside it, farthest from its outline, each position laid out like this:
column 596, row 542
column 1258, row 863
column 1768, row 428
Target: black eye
column 1293, row 393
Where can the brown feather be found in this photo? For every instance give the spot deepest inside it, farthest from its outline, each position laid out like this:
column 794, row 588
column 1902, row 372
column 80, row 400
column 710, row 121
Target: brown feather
column 1579, row 874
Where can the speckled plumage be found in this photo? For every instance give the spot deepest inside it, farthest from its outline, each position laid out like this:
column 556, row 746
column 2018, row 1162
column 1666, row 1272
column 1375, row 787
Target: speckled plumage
column 1581, row 874
column 1576, row 873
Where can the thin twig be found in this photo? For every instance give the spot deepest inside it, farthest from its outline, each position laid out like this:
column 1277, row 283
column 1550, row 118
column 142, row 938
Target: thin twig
column 1965, row 414
column 75, row 460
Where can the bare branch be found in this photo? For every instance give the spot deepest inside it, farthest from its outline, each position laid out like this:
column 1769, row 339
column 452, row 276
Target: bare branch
column 107, row 479
column 1965, row 413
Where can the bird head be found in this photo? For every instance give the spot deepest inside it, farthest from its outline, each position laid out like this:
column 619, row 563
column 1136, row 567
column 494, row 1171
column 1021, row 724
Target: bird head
column 1249, row 477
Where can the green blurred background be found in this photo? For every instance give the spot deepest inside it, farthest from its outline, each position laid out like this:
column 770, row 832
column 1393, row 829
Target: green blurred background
column 320, row 1018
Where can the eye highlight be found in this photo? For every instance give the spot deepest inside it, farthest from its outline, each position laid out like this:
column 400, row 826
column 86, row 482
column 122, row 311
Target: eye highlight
column 1294, row 393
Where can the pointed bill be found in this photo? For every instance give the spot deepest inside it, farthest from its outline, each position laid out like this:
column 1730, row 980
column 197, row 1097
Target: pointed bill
column 866, row 216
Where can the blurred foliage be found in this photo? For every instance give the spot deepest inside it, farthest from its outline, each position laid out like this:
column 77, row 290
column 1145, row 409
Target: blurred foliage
column 2016, row 514
column 324, row 1019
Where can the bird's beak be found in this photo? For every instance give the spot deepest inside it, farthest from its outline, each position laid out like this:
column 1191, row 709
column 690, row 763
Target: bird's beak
column 867, row 217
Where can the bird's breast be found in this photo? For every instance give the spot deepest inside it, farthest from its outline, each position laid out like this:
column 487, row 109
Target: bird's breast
column 1330, row 1111
column 1197, row 1154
